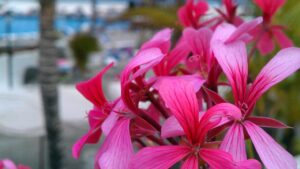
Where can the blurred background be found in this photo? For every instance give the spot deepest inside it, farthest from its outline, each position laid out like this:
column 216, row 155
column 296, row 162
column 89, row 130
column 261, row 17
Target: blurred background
column 84, row 37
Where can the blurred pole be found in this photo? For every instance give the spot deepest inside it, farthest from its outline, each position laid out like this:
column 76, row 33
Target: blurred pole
column 94, row 17
column 48, row 79
column 8, row 18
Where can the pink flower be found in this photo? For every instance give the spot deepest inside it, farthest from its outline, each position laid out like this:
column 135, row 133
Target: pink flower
column 230, row 51
column 132, row 77
column 92, row 91
column 8, row 164
column 189, row 14
column 230, row 14
column 172, row 59
column 181, row 99
column 202, row 60
column 267, row 32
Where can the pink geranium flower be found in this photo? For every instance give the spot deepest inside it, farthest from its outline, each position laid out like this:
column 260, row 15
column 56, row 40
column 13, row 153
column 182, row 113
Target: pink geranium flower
column 181, row 99
column 230, row 51
column 8, row 164
column 268, row 33
column 230, row 13
column 92, row 91
column 202, row 60
column 189, row 15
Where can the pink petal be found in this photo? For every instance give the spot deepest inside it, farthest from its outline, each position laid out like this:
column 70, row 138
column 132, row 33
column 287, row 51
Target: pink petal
column 112, row 118
column 244, row 28
column 180, row 98
column 23, row 167
column 286, row 62
column 160, row 40
column 171, row 128
column 117, row 149
column 143, row 61
column 198, row 42
column 172, row 59
column 282, row 38
column 109, row 123
column 217, row 159
column 191, row 162
column 265, row 44
column 153, row 113
column 269, row 6
column 234, row 142
column 223, row 33
column 267, row 122
column 270, row 152
column 161, row 157
column 92, row 89
column 91, row 137
column 216, row 116
column 232, row 58
column 215, row 97
column 190, row 13
column 229, row 4
column 95, row 119
column 248, row 164
column 8, row 164
column 183, row 17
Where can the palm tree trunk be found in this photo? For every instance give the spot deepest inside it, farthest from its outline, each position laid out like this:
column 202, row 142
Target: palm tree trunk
column 94, row 16
column 48, row 82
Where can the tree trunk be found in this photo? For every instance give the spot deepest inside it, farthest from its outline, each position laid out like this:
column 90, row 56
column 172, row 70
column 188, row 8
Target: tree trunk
column 48, row 82
column 94, row 17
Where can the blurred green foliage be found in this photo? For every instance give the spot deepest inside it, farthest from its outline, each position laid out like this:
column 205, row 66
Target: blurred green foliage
column 82, row 45
column 155, row 18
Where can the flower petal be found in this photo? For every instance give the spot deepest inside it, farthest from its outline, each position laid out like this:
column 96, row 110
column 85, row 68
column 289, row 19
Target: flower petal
column 23, row 167
column 265, row 44
column 215, row 97
column 118, row 149
column 160, row 40
column 112, row 118
column 215, row 116
column 179, row 52
column 91, row 137
column 232, row 57
column 248, row 164
column 190, row 13
column 269, row 7
column 198, row 43
column 8, row 164
column 191, row 162
column 161, row 157
column 234, row 142
column 243, row 29
column 180, row 98
column 267, row 122
column 283, row 40
column 109, row 123
column 143, row 61
column 217, row 159
column 171, row 128
column 92, row 89
column 270, row 152
column 286, row 62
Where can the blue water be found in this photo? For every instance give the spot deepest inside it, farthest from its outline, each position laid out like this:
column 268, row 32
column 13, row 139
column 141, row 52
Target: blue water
column 66, row 25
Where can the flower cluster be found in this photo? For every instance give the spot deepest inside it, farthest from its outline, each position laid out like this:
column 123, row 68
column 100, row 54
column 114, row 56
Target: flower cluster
column 8, row 164
column 186, row 122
